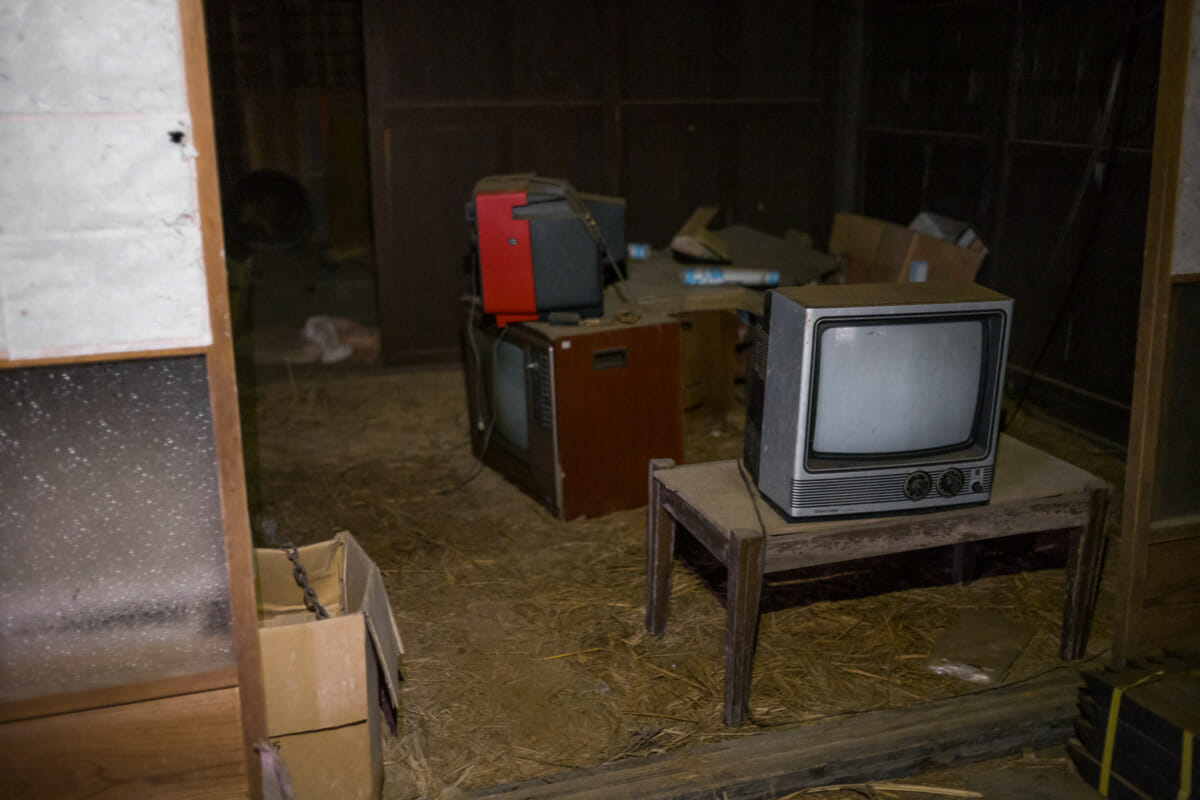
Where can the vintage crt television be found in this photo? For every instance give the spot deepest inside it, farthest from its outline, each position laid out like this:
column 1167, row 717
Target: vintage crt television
column 573, row 414
column 871, row 399
column 540, row 246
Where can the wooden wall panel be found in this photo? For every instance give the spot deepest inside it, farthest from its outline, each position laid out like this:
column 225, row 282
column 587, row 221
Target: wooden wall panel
column 671, row 48
column 1092, row 348
column 784, row 175
column 672, row 165
column 909, row 172
column 938, row 67
column 669, row 105
column 184, row 748
column 420, row 188
column 995, row 125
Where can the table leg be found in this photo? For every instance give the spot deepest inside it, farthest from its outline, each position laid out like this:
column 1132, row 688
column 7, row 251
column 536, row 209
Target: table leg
column 964, row 561
column 743, row 592
column 1083, row 578
column 660, row 552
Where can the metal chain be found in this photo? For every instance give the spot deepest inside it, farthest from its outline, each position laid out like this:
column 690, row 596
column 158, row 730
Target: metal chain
column 301, row 576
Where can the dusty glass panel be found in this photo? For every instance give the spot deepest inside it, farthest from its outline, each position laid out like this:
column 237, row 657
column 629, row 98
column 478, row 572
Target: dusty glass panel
column 1176, row 489
column 112, row 561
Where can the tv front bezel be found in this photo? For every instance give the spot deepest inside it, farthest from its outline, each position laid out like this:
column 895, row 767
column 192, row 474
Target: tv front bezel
column 534, row 468
column 976, row 446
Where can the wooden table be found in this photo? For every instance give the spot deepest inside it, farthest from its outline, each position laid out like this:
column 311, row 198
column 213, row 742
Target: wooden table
column 1033, row 491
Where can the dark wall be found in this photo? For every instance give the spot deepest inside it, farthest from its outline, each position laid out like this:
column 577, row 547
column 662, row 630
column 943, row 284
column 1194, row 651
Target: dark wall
column 288, row 94
column 668, row 104
column 987, row 111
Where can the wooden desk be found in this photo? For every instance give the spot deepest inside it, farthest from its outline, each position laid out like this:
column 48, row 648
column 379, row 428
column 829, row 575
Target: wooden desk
column 708, row 320
column 1033, row 492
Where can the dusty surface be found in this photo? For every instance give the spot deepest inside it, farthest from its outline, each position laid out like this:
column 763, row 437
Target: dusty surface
column 525, row 647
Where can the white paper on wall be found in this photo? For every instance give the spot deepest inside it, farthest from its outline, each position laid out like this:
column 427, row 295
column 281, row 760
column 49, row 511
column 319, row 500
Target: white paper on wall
column 100, row 246
column 90, row 56
column 87, row 173
column 128, row 290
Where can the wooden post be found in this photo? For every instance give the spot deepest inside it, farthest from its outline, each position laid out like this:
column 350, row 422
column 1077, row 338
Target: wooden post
column 1168, row 181
column 222, row 382
column 744, row 590
column 1083, row 578
column 660, row 552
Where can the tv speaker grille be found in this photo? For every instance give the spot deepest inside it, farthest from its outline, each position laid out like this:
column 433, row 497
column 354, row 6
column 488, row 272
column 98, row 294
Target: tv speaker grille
column 815, row 493
column 760, row 352
column 543, row 409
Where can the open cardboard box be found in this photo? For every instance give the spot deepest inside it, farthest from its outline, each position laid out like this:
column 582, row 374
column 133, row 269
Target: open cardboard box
column 323, row 678
column 883, row 252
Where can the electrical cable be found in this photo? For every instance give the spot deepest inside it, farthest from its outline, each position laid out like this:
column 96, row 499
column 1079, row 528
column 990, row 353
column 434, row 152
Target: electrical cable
column 479, row 375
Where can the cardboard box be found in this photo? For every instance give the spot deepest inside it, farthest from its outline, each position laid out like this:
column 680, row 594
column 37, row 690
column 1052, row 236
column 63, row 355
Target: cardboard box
column 322, row 678
column 883, row 252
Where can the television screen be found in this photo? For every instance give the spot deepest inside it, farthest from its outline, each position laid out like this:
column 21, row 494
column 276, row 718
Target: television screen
column 509, row 406
column 500, row 390
column 892, row 388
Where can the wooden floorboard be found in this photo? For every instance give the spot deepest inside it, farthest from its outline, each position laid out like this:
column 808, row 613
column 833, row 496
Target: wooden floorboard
column 864, row 747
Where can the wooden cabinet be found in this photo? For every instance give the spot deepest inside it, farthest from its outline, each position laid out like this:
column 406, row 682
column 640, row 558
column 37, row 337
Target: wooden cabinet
column 573, row 414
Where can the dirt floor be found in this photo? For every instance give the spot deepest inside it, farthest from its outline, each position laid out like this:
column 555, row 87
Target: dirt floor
column 525, row 651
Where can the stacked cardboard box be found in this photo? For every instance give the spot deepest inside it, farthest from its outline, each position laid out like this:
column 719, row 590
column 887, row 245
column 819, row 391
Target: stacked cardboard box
column 882, row 252
column 328, row 682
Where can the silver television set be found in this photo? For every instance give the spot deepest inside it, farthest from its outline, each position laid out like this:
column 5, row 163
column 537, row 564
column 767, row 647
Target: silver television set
column 874, row 399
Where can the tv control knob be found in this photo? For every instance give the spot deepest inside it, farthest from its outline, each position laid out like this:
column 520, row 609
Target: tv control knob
column 976, row 487
column 917, row 485
column 950, row 482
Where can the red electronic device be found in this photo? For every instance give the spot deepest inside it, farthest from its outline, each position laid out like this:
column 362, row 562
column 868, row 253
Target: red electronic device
column 505, row 251
column 541, row 246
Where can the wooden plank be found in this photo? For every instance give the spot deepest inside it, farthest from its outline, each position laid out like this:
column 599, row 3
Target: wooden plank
column 1153, row 316
column 862, row 747
column 182, row 747
column 1033, row 491
column 1083, row 578
column 614, row 63
column 742, row 596
column 1166, row 530
column 654, row 285
column 709, row 343
column 660, row 552
column 612, row 421
column 222, row 382
column 18, row 363
column 118, row 695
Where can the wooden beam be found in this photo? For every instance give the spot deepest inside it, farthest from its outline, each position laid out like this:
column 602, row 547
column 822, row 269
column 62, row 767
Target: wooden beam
column 48, row 705
column 849, row 749
column 1153, row 315
column 222, row 382
column 175, row 747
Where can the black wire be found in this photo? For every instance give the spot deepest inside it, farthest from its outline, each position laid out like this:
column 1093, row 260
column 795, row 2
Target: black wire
column 479, row 376
column 753, row 495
